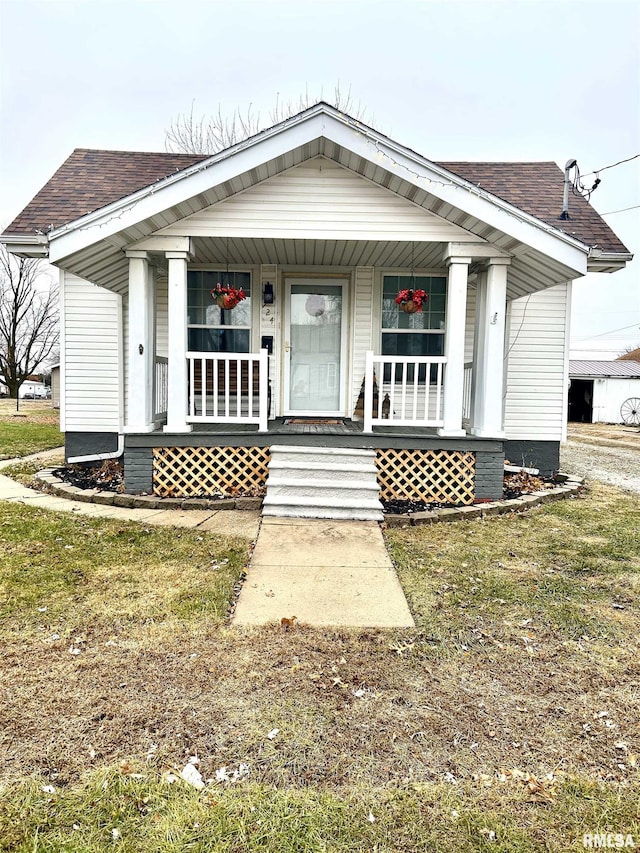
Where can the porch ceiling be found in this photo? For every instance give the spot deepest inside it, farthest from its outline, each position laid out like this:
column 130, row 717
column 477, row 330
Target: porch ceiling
column 333, row 253
column 106, row 264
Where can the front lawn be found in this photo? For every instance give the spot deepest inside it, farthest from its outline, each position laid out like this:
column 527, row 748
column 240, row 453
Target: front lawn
column 507, row 720
column 35, row 427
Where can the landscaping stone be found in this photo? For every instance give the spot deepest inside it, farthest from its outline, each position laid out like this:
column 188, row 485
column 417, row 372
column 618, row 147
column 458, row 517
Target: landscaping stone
column 397, row 520
column 223, row 503
column 104, row 498
column 568, row 486
column 87, row 495
column 65, row 489
column 470, row 512
column 147, row 502
column 124, row 500
column 195, row 503
column 427, row 517
column 449, row 514
column 171, row 503
column 248, row 503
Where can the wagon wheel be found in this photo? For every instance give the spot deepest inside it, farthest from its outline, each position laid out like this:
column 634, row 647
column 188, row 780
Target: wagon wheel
column 630, row 411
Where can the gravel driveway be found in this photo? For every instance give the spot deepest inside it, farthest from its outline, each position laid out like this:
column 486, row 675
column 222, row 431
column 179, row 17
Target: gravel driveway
column 618, row 466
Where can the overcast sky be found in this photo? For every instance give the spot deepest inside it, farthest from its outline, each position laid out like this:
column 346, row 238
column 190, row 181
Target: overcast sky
column 457, row 80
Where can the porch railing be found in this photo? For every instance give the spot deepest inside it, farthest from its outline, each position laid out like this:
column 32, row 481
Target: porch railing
column 160, row 387
column 228, row 388
column 408, row 391
column 466, row 392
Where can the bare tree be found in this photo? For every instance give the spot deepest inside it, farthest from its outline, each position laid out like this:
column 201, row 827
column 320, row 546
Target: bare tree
column 208, row 134
column 29, row 316
column 630, row 353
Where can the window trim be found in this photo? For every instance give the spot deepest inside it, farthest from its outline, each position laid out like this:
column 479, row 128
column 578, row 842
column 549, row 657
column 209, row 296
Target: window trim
column 253, row 327
column 403, row 273
column 383, row 330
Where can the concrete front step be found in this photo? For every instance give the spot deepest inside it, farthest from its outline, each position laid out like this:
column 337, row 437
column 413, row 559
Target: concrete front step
column 298, row 511
column 339, row 489
column 322, row 482
column 322, row 455
column 319, row 469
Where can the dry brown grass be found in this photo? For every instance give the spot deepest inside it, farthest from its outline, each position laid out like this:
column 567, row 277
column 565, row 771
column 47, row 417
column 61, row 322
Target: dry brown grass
column 520, row 667
column 616, row 433
column 217, row 695
column 31, row 411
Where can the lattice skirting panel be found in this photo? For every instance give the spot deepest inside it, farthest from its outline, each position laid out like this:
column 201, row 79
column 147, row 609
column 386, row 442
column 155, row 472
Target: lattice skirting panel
column 437, row 476
column 187, row 472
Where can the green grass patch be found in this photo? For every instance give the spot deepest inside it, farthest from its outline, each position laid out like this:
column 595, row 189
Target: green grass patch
column 66, row 571
column 148, row 815
column 24, row 472
column 20, row 438
column 35, row 427
column 561, row 569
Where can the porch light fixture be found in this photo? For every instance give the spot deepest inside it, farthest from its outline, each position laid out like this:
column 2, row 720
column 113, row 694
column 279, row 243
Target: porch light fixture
column 267, row 293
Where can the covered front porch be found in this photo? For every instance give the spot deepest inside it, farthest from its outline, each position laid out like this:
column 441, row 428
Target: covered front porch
column 331, row 345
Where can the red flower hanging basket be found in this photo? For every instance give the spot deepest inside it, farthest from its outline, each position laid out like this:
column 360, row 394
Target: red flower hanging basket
column 227, row 297
column 410, row 301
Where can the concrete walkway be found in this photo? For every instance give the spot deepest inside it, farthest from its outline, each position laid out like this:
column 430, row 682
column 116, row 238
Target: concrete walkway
column 323, row 572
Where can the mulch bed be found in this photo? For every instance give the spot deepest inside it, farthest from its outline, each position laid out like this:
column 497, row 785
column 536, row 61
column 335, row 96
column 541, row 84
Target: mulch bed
column 108, row 476
column 515, row 485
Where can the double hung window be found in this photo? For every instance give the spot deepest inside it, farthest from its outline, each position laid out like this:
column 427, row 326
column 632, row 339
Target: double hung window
column 211, row 328
column 419, row 334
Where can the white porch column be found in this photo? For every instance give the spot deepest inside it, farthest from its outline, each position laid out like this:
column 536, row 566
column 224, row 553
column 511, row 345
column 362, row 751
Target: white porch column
column 487, row 420
column 454, row 346
column 141, row 349
column 177, row 350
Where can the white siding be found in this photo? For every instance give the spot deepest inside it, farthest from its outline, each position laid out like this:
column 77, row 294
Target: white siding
column 91, row 357
column 362, row 329
column 608, row 396
column 469, row 329
column 318, row 200
column 536, row 354
column 162, row 315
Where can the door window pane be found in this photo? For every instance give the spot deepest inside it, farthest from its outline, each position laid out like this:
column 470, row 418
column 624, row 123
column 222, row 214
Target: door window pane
column 316, row 351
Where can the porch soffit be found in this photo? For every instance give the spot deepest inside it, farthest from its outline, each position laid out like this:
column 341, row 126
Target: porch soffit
column 107, row 265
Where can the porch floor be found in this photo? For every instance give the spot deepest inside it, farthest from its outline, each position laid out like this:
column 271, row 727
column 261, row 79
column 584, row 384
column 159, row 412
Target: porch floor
column 279, row 426
column 348, row 434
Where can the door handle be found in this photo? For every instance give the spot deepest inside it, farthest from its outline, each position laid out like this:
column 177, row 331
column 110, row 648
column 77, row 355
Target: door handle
column 287, row 346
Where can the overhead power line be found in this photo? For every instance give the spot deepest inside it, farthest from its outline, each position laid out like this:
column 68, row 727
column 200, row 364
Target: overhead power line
column 611, row 332
column 622, row 210
column 613, row 165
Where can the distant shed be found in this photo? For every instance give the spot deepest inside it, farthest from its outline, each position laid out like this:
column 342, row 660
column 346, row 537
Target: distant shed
column 599, row 389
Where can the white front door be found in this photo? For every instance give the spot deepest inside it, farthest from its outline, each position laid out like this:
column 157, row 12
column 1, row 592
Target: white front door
column 315, row 346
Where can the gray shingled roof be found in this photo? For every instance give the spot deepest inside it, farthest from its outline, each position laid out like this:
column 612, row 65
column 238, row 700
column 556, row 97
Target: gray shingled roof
column 91, row 179
column 605, row 369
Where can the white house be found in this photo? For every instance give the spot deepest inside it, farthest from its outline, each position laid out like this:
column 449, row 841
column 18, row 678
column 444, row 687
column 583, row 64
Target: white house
column 604, row 391
column 322, row 221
